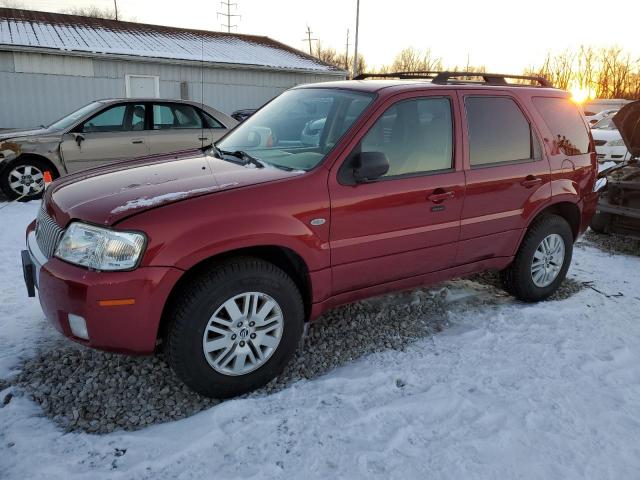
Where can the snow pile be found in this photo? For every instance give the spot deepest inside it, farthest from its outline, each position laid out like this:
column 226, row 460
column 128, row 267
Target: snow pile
column 549, row 390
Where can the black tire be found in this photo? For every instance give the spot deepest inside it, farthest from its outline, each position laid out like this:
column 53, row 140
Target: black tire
column 600, row 222
column 199, row 300
column 22, row 161
column 517, row 278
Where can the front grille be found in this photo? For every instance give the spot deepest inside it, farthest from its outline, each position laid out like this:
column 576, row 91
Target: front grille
column 48, row 233
column 600, row 143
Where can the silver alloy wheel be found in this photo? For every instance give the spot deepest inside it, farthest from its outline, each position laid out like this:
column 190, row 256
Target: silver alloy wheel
column 243, row 333
column 26, row 180
column 547, row 260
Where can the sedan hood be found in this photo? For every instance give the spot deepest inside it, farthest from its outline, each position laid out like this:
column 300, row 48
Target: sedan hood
column 7, row 134
column 628, row 122
column 109, row 194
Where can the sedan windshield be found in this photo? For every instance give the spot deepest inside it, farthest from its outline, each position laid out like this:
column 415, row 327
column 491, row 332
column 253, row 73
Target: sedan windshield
column 71, row 119
column 605, row 124
column 299, row 128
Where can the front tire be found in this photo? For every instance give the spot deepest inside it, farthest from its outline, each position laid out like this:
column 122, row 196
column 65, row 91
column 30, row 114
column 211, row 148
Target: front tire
column 235, row 327
column 542, row 260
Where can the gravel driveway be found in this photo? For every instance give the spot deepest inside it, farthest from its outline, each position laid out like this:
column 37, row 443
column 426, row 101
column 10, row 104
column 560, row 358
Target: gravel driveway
column 97, row 392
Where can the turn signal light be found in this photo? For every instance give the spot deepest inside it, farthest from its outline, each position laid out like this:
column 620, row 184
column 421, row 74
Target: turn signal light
column 118, row 302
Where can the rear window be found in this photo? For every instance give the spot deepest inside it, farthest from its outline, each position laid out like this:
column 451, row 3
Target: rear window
column 566, row 124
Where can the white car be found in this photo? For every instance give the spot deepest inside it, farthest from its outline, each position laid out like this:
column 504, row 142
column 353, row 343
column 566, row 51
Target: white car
column 596, row 117
column 608, row 141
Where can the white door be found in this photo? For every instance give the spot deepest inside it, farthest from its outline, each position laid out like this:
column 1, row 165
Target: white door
column 142, row 86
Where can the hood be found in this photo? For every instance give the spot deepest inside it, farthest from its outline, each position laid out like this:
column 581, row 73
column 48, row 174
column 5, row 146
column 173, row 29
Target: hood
column 7, row 134
column 106, row 195
column 628, row 122
column 601, row 134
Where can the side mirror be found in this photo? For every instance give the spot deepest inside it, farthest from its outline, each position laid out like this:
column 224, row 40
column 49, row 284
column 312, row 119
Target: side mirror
column 79, row 138
column 368, row 166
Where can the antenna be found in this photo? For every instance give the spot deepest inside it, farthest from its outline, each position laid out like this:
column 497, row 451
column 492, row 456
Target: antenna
column 309, row 39
column 228, row 15
column 115, row 6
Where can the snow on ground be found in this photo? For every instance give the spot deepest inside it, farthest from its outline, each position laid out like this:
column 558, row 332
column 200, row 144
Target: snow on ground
column 546, row 391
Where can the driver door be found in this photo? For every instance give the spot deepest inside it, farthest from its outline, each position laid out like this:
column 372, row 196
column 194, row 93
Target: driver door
column 116, row 133
column 405, row 223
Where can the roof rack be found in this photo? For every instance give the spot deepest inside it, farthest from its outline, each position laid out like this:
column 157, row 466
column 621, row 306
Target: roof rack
column 448, row 78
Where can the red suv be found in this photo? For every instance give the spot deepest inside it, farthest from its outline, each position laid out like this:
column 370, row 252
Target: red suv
column 329, row 194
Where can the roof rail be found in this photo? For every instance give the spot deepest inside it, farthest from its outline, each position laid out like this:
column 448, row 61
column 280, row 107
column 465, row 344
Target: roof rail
column 449, row 78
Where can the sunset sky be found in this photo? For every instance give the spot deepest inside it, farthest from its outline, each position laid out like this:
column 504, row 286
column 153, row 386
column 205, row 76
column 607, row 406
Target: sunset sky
column 504, row 36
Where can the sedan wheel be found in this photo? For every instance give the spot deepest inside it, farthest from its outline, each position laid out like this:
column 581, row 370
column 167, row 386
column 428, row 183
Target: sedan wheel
column 26, row 180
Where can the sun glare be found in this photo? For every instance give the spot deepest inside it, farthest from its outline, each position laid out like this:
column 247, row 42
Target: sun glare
column 581, row 94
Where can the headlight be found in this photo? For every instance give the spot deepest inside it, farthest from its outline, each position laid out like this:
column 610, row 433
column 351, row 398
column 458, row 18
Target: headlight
column 616, row 143
column 100, row 248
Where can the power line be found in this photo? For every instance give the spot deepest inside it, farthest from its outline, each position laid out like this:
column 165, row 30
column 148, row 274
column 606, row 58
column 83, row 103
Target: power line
column 309, row 39
column 228, row 15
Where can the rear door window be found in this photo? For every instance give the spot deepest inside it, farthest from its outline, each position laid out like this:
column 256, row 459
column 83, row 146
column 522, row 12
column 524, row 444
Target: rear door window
column 566, row 124
column 498, row 132
column 173, row 116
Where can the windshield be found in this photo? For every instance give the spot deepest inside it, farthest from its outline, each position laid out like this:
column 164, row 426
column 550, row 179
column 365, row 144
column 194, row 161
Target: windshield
column 299, row 128
column 605, row 124
column 72, row 118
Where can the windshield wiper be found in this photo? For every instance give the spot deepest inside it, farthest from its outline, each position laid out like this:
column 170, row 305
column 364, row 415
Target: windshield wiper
column 241, row 155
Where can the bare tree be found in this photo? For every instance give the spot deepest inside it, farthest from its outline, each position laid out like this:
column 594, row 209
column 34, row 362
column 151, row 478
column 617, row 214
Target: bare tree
column 331, row 56
column 413, row 60
column 93, row 12
column 605, row 73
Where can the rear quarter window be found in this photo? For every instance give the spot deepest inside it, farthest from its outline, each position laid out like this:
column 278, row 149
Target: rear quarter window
column 562, row 117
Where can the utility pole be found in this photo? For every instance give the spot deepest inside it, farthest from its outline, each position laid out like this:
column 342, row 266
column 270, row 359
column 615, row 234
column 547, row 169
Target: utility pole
column 309, row 39
column 228, row 15
column 115, row 5
column 346, row 55
column 355, row 52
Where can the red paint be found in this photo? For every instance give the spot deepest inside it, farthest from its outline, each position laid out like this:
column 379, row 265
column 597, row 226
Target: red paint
column 378, row 237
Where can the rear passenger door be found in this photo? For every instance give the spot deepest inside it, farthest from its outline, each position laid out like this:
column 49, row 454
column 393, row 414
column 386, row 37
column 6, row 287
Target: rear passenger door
column 405, row 223
column 507, row 175
column 176, row 126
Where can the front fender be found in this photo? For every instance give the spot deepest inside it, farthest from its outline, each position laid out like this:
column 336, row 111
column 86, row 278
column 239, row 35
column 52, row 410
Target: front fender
column 185, row 233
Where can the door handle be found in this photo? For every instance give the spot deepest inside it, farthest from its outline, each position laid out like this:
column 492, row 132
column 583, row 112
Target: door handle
column 531, row 181
column 203, row 139
column 137, row 141
column 440, row 195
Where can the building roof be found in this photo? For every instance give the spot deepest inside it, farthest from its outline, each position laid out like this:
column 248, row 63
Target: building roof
column 94, row 36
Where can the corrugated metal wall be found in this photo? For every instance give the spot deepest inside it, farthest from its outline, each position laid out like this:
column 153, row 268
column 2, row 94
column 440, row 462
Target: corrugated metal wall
column 31, row 99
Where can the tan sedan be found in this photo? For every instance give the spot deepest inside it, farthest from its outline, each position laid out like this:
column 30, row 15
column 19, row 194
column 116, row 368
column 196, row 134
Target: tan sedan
column 103, row 132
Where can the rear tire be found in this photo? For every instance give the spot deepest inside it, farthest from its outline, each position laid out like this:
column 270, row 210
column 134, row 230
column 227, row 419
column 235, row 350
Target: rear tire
column 235, row 327
column 600, row 222
column 542, row 260
column 23, row 178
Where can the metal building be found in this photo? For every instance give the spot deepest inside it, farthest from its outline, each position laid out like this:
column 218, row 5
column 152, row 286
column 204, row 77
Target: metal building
column 51, row 64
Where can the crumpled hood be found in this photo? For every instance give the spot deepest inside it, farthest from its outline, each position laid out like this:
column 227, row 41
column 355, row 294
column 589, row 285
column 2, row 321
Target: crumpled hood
column 601, row 134
column 628, row 122
column 108, row 194
column 11, row 134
